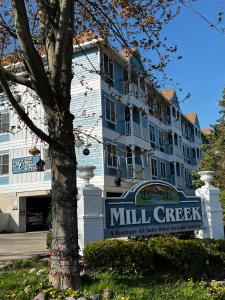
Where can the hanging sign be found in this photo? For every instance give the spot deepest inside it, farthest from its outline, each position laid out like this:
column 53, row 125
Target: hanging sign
column 25, row 164
column 152, row 207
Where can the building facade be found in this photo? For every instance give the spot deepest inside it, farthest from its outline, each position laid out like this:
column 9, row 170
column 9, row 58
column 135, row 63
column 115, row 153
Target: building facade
column 122, row 125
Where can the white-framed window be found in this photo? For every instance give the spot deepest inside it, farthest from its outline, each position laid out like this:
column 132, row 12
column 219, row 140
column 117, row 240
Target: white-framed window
column 111, row 156
column 152, row 135
column 4, row 122
column 163, row 169
column 110, row 110
column 108, row 67
column 154, row 167
column 4, row 164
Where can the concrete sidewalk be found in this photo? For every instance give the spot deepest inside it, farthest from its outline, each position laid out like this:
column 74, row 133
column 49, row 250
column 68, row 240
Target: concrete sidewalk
column 22, row 245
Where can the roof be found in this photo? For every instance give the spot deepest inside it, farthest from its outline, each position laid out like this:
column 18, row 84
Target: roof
column 85, row 36
column 191, row 117
column 15, row 57
column 127, row 53
column 168, row 94
column 206, row 131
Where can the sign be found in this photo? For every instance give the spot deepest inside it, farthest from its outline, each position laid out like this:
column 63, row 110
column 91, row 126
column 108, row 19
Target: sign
column 152, row 207
column 25, row 164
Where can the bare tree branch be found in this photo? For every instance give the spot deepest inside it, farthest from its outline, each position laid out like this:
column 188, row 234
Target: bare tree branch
column 20, row 111
column 20, row 79
column 4, row 25
column 31, row 56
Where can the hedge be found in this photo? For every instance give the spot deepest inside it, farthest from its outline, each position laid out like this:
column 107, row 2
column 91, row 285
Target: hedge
column 188, row 258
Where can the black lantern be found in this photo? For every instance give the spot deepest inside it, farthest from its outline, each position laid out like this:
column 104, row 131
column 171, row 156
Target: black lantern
column 86, row 151
column 40, row 165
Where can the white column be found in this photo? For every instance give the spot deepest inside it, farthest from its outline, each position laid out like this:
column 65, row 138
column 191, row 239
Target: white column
column 89, row 210
column 211, row 209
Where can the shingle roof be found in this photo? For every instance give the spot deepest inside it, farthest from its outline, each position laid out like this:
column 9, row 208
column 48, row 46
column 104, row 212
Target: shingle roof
column 85, row 36
column 191, row 117
column 168, row 94
column 15, row 57
column 206, row 131
column 127, row 53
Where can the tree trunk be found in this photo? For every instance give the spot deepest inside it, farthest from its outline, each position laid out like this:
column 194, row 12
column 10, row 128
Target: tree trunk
column 64, row 258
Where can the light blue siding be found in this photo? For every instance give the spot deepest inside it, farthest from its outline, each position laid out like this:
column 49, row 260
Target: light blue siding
column 86, row 65
column 47, row 176
column 4, row 137
column 4, row 180
column 94, row 158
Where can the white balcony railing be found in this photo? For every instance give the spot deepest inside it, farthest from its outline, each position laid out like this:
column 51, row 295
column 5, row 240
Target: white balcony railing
column 137, row 130
column 145, row 134
column 135, row 173
column 180, row 182
column 176, row 123
column 178, row 151
column 127, row 128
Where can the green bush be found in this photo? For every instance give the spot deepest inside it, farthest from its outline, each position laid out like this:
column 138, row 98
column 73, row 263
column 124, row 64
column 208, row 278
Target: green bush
column 189, row 258
column 119, row 256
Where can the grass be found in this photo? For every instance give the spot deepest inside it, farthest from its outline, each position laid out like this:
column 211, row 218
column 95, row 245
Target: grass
column 20, row 283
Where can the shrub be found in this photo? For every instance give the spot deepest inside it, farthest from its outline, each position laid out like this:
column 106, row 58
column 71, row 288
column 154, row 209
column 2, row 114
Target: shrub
column 119, row 256
column 189, row 258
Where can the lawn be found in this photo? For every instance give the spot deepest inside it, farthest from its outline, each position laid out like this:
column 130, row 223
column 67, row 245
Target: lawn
column 28, row 277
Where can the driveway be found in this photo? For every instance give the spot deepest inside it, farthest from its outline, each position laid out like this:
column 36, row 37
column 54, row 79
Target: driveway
column 22, row 245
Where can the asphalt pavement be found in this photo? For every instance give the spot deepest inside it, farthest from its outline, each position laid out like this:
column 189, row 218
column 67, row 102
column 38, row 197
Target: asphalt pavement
column 22, row 245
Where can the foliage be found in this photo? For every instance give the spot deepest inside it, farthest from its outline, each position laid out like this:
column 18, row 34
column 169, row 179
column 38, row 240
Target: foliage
column 214, row 159
column 156, row 255
column 21, row 284
column 127, row 257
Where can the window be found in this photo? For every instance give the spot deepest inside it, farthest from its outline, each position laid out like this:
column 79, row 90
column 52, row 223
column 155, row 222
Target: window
column 107, row 67
column 4, row 164
column 161, row 140
column 152, row 135
column 175, row 139
column 110, row 110
column 154, row 167
column 4, row 122
column 125, row 82
column 174, row 112
column 163, row 169
column 111, row 156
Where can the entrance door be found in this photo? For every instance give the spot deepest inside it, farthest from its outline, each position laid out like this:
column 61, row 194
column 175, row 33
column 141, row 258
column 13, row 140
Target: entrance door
column 37, row 213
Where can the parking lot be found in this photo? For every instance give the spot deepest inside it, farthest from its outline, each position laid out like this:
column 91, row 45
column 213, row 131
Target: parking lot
column 22, row 245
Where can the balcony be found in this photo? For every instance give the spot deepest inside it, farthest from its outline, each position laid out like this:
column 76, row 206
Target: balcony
column 180, row 182
column 141, row 133
column 127, row 128
column 133, row 90
column 137, row 130
column 136, row 172
column 176, row 123
column 178, row 151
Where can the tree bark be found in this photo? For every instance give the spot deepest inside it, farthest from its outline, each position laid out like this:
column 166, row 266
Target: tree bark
column 64, row 258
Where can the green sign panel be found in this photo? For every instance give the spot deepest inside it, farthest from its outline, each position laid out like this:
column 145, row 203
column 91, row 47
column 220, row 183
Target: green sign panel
column 152, row 207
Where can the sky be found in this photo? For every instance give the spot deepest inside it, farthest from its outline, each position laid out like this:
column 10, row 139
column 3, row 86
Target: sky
column 201, row 72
